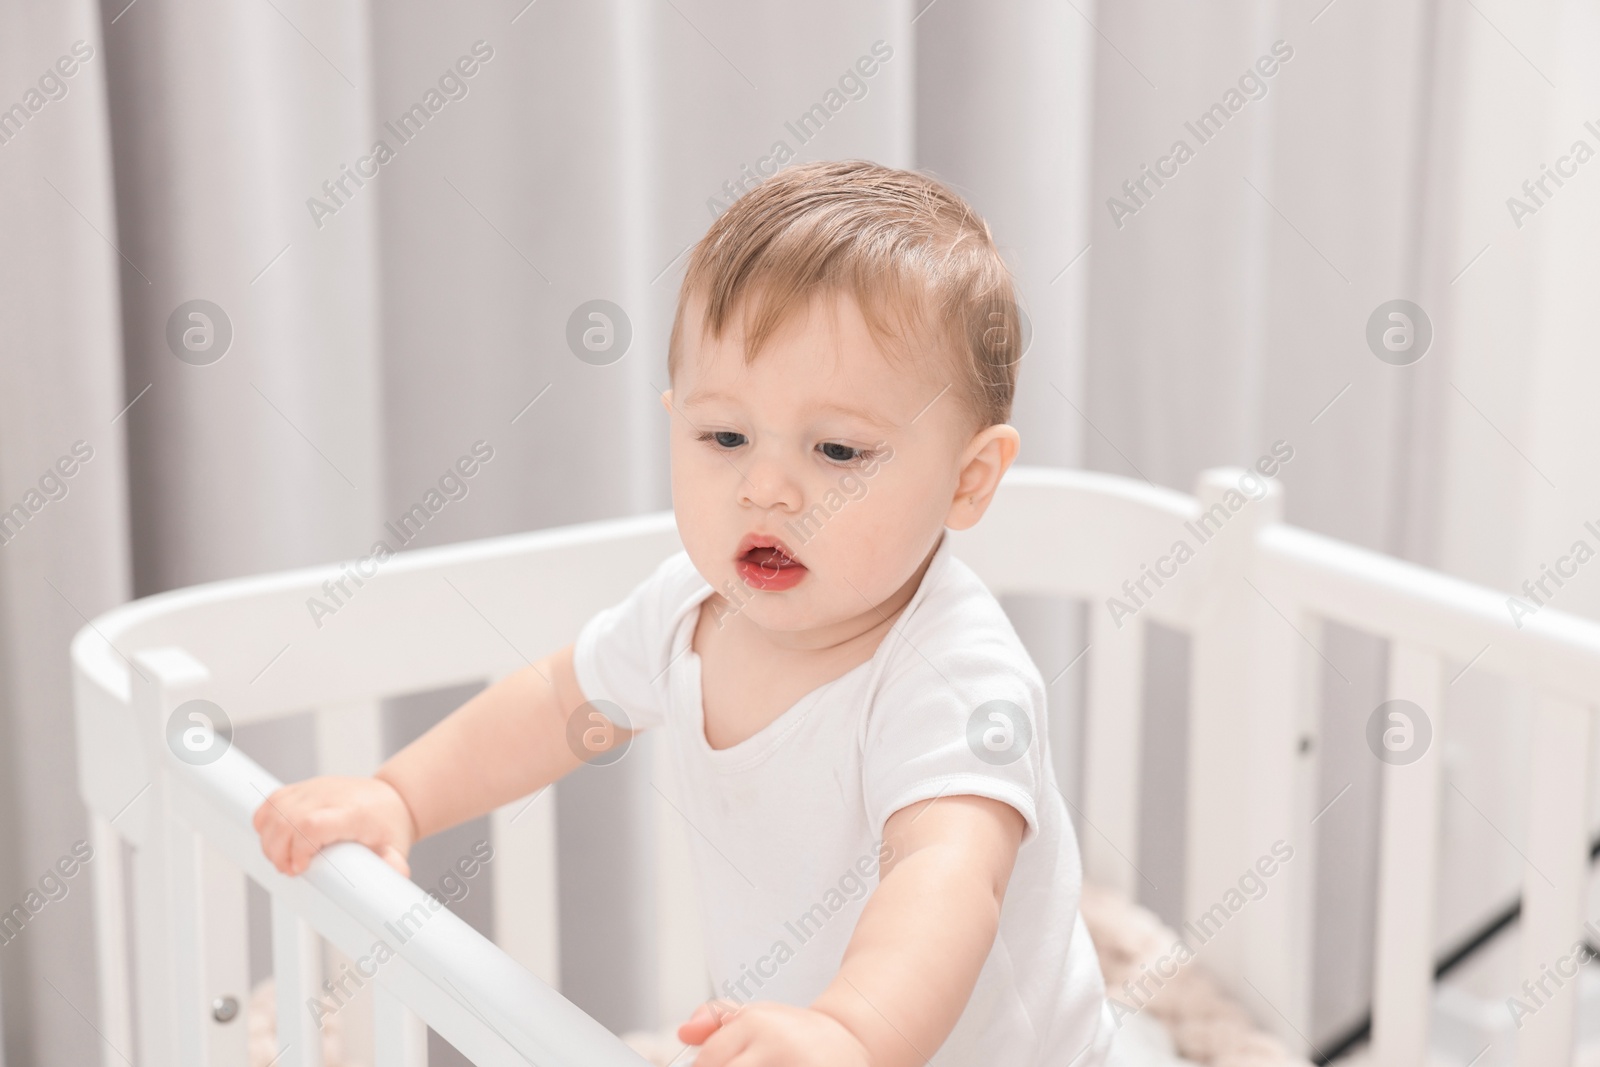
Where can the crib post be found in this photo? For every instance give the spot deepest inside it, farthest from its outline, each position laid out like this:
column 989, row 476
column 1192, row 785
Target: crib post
column 296, row 969
column 1285, row 672
column 111, row 940
column 225, row 955
column 167, row 873
column 1408, row 871
column 187, row 908
column 1246, row 783
column 399, row 1038
column 1114, row 714
column 1555, row 879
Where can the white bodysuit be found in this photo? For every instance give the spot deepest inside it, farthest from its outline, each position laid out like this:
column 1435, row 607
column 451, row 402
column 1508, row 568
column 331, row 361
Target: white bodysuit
column 786, row 825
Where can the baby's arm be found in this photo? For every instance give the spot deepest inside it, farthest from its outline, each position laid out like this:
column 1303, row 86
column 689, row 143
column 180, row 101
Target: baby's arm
column 923, row 936
column 504, row 743
column 914, row 957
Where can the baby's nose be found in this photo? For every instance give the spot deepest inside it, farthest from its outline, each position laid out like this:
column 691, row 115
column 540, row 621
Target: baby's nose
column 769, row 484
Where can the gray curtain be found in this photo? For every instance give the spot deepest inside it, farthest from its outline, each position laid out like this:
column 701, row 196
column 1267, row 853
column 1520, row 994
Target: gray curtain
column 65, row 555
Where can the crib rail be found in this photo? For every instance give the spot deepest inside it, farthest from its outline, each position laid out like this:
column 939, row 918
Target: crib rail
column 448, row 974
column 1252, row 597
column 1429, row 619
column 427, row 619
column 1254, row 600
column 432, row 968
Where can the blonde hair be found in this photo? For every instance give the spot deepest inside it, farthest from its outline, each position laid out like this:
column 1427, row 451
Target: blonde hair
column 918, row 259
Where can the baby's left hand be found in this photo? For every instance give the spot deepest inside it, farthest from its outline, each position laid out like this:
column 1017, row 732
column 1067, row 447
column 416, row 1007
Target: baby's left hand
column 768, row 1034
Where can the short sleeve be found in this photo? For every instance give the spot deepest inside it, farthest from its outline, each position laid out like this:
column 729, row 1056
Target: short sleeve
column 970, row 727
column 621, row 655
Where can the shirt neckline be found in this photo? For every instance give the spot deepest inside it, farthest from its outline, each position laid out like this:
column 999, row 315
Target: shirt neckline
column 759, row 744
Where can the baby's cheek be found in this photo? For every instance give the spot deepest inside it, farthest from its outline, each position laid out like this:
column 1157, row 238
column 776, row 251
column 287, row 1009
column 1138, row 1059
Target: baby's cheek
column 883, row 527
column 870, row 567
column 700, row 502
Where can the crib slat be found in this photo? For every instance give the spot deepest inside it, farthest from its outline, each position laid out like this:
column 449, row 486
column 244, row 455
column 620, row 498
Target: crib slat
column 1283, row 702
column 151, row 942
column 350, row 742
column 1556, row 878
column 682, row 972
column 399, row 1038
column 1408, row 868
column 526, row 921
column 1114, row 720
column 225, row 954
column 186, row 907
column 349, row 737
column 111, row 942
column 297, row 971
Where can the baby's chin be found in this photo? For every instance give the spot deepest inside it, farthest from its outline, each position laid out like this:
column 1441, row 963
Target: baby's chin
column 814, row 604
column 785, row 613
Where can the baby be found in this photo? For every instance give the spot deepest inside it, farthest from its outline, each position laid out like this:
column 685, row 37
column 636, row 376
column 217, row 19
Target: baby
column 887, row 871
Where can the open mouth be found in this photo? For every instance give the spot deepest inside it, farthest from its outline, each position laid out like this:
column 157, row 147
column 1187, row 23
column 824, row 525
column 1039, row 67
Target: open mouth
column 765, row 563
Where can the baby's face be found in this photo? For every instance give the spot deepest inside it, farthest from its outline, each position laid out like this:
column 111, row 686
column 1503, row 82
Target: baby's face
column 810, row 485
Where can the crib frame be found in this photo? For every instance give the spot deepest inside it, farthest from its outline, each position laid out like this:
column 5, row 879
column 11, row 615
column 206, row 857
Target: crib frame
column 1252, row 599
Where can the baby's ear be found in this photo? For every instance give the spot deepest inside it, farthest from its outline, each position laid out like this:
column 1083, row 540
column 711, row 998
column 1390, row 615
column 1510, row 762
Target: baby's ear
column 984, row 462
column 666, row 401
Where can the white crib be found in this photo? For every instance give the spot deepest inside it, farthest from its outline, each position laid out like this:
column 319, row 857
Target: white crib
column 1252, row 598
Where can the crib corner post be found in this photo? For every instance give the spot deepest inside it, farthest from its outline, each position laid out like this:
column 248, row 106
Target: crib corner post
column 111, row 940
column 167, row 875
column 1247, row 780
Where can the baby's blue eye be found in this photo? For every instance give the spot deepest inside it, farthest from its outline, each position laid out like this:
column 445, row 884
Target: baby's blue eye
column 725, row 438
column 839, row 453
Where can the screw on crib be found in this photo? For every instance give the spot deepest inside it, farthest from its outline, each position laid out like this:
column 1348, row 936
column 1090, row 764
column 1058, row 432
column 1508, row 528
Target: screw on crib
column 225, row 1009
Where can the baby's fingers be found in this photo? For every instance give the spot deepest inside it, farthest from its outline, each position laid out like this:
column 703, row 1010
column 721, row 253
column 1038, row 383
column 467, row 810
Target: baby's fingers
column 275, row 831
column 310, row 832
column 705, row 1021
column 730, row 1046
column 301, row 853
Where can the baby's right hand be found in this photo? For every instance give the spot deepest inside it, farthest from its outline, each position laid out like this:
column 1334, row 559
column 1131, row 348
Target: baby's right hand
column 297, row 820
